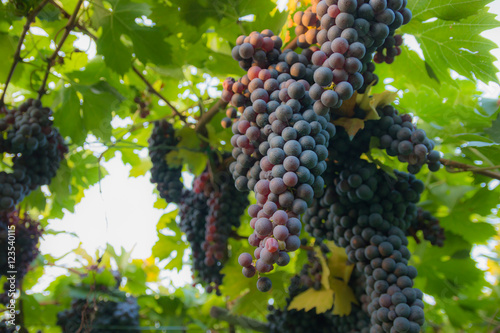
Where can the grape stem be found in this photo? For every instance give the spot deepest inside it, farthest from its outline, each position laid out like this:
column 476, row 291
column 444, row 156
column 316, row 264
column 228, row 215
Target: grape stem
column 413, row 233
column 242, row 321
column 78, row 25
column 17, row 55
column 50, row 61
column 207, row 116
column 453, row 167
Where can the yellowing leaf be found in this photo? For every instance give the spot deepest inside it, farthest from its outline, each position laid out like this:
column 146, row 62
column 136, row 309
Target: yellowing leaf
column 152, row 271
column 344, row 296
column 370, row 103
column 351, row 125
column 84, row 254
column 324, row 266
column 337, row 261
column 141, row 168
column 347, row 107
column 158, row 85
column 382, row 99
column 322, row 300
column 347, row 272
column 339, row 266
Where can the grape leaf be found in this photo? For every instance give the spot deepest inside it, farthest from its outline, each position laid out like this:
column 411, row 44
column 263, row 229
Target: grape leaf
column 458, row 45
column 166, row 245
column 351, row 125
column 147, row 42
column 452, row 10
column 337, row 262
column 344, row 297
column 472, row 231
column 494, row 131
column 8, row 47
column 94, row 114
column 320, row 300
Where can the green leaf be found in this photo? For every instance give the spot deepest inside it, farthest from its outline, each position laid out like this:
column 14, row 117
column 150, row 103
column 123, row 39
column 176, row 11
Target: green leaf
column 147, row 43
column 8, row 46
column 409, row 71
column 494, row 131
column 189, row 151
column 166, row 245
column 458, row 46
column 481, row 203
column 451, row 10
column 49, row 13
column 90, row 114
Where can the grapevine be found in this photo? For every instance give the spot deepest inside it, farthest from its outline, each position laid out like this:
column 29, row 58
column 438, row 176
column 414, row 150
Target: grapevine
column 299, row 159
column 38, row 149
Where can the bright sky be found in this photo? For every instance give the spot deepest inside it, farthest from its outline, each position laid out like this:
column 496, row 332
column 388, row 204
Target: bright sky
column 123, row 214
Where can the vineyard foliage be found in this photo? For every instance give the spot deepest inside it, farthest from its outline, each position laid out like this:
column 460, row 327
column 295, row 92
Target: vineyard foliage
column 152, row 60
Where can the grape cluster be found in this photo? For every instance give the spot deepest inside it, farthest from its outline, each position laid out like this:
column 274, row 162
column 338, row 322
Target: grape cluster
column 397, row 134
column 283, row 158
column 288, row 65
column 7, row 328
column 38, row 149
column 167, row 178
column 257, row 49
column 400, row 137
column 142, row 101
column 391, row 49
column 348, row 32
column 429, row 224
column 27, row 233
column 209, row 214
column 100, row 317
column 364, row 196
column 369, row 212
column 226, row 206
column 193, row 212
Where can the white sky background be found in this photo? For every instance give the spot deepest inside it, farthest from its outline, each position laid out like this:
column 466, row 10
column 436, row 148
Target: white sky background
column 123, row 214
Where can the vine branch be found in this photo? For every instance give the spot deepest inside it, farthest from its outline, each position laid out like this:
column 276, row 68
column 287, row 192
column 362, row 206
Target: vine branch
column 68, row 15
column 157, row 93
column 17, row 55
column 242, row 321
column 69, row 27
column 207, row 116
column 461, row 167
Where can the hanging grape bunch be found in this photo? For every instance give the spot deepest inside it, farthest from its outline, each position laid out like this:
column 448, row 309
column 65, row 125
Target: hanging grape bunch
column 167, row 178
column 101, row 316
column 27, row 234
column 38, row 149
column 208, row 215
